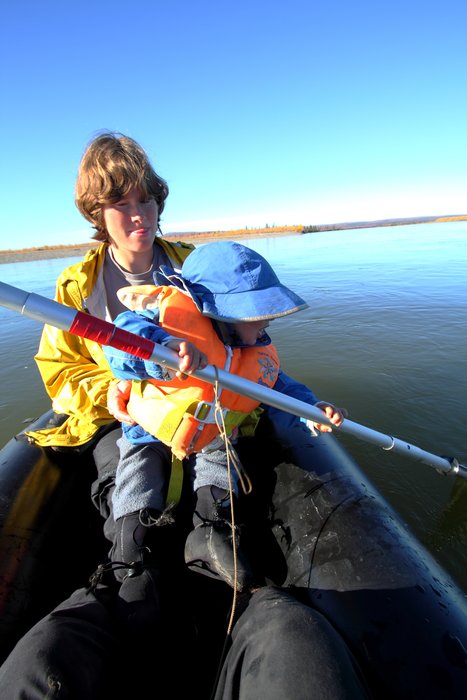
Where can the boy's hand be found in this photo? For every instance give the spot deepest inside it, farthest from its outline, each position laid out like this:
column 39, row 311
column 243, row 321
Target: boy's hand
column 335, row 415
column 191, row 358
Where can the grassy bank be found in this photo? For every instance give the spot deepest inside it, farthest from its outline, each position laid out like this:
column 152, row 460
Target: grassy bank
column 75, row 250
column 67, row 251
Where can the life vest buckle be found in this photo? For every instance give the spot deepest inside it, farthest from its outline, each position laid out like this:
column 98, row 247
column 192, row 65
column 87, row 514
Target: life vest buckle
column 205, row 412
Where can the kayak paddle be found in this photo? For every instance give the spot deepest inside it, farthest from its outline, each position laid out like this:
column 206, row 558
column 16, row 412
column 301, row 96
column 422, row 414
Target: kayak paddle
column 82, row 324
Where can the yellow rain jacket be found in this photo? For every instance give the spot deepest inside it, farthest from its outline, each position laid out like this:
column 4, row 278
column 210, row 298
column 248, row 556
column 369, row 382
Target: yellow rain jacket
column 75, row 373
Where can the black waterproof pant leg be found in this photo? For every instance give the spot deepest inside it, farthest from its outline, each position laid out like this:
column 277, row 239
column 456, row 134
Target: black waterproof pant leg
column 106, row 456
column 281, row 650
column 66, row 655
column 284, row 650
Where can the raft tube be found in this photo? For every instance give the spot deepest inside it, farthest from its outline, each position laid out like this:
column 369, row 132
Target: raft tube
column 333, row 542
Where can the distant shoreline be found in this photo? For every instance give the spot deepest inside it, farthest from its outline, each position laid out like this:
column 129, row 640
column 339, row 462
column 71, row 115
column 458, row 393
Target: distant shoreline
column 79, row 249
column 68, row 251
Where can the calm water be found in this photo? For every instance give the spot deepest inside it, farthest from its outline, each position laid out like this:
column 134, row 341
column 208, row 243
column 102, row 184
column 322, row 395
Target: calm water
column 385, row 336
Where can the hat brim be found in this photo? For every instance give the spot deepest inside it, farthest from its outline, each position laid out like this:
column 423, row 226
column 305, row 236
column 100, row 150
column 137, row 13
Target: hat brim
column 253, row 305
column 259, row 305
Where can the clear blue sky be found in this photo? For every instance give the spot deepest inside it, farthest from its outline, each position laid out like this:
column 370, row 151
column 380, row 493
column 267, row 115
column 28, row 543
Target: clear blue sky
column 255, row 112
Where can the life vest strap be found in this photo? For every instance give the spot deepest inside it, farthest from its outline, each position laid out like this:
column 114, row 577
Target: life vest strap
column 202, row 411
column 173, row 417
column 206, row 412
column 174, row 490
column 232, row 419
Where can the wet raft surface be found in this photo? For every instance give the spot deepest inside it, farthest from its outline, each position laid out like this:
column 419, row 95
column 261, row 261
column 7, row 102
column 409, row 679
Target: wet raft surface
column 315, row 525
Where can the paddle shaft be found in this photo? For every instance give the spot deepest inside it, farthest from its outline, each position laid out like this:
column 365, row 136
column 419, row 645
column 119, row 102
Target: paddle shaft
column 82, row 324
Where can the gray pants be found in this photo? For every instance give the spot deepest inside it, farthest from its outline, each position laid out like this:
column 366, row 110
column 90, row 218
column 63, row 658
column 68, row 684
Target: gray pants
column 143, row 474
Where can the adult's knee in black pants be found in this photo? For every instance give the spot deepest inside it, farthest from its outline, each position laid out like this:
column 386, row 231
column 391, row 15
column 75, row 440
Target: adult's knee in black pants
column 66, row 655
column 282, row 648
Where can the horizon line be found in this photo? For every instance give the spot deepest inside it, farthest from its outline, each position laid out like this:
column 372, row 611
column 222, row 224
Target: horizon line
column 286, row 228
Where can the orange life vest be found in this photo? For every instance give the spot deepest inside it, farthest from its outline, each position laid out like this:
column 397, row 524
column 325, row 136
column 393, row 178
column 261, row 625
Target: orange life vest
column 181, row 413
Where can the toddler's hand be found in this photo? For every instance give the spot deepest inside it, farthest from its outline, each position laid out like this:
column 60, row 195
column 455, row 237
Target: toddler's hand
column 335, row 415
column 191, row 358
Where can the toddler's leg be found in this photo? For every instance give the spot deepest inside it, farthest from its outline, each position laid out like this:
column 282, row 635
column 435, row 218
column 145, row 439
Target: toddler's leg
column 142, row 478
column 138, row 501
column 210, row 546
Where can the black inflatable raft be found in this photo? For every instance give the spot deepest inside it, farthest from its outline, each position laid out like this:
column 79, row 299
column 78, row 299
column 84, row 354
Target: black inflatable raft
column 331, row 539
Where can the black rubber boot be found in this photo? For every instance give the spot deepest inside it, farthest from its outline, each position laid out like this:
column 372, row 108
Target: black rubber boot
column 134, row 566
column 209, row 547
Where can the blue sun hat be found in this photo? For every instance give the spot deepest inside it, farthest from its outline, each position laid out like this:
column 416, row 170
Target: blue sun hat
column 230, row 282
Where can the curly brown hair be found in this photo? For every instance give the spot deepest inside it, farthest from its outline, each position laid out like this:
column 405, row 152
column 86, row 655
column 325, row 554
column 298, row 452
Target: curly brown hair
column 111, row 166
